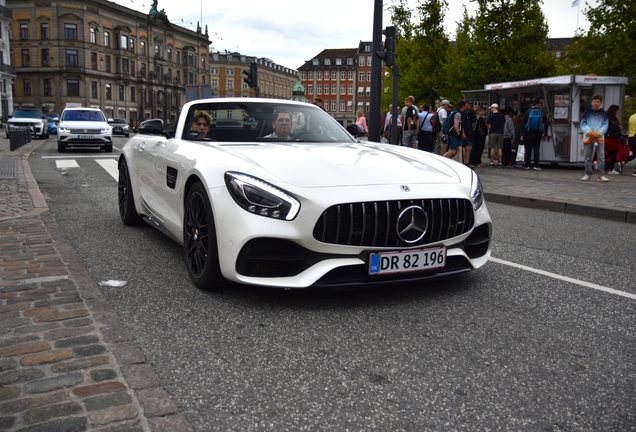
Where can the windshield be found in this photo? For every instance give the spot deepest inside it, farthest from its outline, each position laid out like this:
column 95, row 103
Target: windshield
column 117, row 120
column 83, row 115
column 241, row 121
column 35, row 114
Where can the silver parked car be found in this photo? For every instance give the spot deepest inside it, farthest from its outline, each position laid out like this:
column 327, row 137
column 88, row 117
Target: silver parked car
column 84, row 127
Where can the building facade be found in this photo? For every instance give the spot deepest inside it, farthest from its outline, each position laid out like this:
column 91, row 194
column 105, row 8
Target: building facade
column 342, row 79
column 226, row 70
column 99, row 54
column 7, row 70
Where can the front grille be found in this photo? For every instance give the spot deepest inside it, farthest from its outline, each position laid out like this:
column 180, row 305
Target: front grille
column 86, row 131
column 374, row 223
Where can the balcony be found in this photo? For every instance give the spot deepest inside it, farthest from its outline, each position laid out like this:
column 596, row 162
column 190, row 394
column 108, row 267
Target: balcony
column 6, row 12
column 8, row 69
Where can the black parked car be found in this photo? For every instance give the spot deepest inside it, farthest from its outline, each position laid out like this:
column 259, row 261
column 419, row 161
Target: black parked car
column 120, row 126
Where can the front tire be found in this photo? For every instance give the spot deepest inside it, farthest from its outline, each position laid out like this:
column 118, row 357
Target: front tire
column 61, row 148
column 108, row 148
column 199, row 240
column 126, row 199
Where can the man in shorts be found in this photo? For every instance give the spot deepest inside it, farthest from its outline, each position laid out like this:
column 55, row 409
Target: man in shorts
column 496, row 121
column 456, row 135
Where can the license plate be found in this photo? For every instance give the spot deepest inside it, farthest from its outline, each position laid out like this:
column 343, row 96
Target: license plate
column 86, row 137
column 400, row 262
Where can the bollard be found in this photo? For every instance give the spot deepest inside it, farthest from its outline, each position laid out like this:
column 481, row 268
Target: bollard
column 17, row 137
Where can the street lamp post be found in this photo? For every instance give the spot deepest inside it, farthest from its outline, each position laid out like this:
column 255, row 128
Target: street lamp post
column 376, row 75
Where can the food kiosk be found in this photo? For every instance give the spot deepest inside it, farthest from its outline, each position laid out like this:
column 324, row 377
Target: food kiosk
column 564, row 99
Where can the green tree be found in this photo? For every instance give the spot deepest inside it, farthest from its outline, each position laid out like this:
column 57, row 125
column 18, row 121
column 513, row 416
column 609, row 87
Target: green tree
column 421, row 47
column 608, row 47
column 508, row 41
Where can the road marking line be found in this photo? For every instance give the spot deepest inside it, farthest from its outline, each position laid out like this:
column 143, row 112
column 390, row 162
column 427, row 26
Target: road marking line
column 69, row 163
column 566, row 279
column 80, row 156
column 110, row 165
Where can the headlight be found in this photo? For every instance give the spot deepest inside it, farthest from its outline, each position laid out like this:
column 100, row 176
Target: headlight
column 476, row 192
column 261, row 198
column 63, row 129
column 125, row 127
column 106, row 130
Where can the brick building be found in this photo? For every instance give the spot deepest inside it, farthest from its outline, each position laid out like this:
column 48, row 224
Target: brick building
column 7, row 70
column 97, row 53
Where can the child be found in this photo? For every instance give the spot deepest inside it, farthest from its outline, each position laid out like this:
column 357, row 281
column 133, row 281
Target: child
column 594, row 125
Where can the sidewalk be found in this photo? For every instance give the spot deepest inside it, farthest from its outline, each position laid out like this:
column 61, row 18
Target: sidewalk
column 67, row 362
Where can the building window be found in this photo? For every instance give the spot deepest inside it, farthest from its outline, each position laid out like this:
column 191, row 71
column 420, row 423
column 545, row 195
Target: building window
column 93, row 35
column 303, row 76
column 132, row 94
column 334, row 75
column 94, row 89
column 157, row 51
column 124, row 66
column 319, row 89
column 44, row 31
column 72, row 87
column 361, row 76
column 333, row 105
column 360, row 91
column 327, row 62
column 26, row 59
column 367, row 48
column 107, row 61
column 142, row 44
column 350, row 75
column 178, row 58
column 230, row 83
column 319, row 75
column 361, row 61
column 369, row 76
column 123, row 41
column 45, row 57
column 339, row 63
column 342, row 90
column 369, row 61
column 121, row 92
column 349, row 62
column 47, row 87
column 24, row 31
column 311, row 75
column 107, row 38
column 131, row 45
column 215, row 82
column 368, row 92
column 178, row 77
column 343, row 75
column 316, row 62
column 142, row 72
column 350, row 89
column 26, row 86
column 190, row 58
column 342, row 105
column 333, row 89
column 169, row 54
column 310, row 89
column 109, row 92
column 70, row 31
column 229, row 71
column 326, row 89
column 71, row 58
column 202, row 62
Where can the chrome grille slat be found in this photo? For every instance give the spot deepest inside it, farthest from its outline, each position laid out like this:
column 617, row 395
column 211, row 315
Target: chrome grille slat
column 343, row 223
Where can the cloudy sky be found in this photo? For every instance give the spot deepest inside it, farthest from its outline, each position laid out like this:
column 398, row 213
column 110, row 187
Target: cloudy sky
column 292, row 32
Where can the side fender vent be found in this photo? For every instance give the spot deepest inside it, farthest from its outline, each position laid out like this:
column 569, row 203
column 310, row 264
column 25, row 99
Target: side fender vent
column 171, row 178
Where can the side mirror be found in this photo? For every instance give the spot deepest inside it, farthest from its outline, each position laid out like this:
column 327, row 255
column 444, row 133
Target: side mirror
column 151, row 127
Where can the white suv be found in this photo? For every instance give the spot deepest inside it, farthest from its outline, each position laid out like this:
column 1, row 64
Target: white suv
column 31, row 118
column 84, row 127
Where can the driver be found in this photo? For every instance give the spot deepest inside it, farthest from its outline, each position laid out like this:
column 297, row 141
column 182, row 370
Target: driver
column 201, row 123
column 282, row 126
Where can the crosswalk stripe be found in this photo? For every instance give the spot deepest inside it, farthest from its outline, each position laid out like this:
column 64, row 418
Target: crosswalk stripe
column 66, row 163
column 110, row 165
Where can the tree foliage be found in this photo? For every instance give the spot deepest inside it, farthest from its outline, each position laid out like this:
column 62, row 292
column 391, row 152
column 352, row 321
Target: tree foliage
column 421, row 47
column 608, row 47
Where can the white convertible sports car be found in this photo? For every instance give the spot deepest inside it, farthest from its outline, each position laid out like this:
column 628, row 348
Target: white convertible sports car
column 277, row 193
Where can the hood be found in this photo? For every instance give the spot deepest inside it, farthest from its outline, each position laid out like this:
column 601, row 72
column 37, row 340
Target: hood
column 332, row 165
column 90, row 125
column 25, row 120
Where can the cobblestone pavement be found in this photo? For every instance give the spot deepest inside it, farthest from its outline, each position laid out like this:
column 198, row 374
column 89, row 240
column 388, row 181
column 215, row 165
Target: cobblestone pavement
column 67, row 363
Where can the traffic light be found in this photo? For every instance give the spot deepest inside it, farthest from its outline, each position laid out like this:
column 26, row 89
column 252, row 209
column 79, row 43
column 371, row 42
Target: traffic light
column 251, row 77
column 388, row 55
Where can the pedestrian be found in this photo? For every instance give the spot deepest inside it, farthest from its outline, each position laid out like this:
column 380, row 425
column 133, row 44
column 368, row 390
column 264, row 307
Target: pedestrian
column 594, row 125
column 479, row 138
column 613, row 147
column 509, row 137
column 469, row 129
column 425, row 136
column 535, row 128
column 442, row 113
column 632, row 141
column 496, row 121
column 411, row 123
column 456, row 133
column 362, row 121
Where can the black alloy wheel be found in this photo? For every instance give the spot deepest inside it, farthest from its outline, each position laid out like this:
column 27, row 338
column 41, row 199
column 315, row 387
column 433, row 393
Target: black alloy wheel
column 127, row 210
column 199, row 240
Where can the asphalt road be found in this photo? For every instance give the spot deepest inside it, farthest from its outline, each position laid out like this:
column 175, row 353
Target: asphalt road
column 501, row 348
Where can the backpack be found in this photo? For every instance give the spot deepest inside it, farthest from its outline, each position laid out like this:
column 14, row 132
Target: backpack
column 534, row 123
column 449, row 124
column 435, row 122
